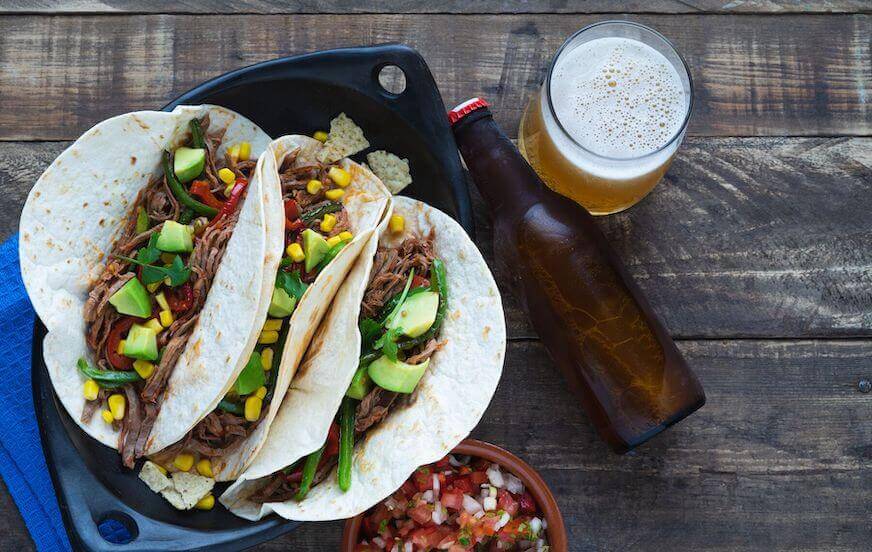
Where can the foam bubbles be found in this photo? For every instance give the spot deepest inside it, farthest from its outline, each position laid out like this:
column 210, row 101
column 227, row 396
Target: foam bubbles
column 618, row 97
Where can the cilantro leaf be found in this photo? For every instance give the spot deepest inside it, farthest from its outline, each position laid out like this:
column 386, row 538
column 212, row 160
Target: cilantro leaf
column 291, row 283
column 388, row 343
column 369, row 331
column 177, row 272
column 252, row 377
column 402, row 298
column 150, row 253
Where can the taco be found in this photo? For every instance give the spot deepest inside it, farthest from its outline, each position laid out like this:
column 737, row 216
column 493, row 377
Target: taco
column 329, row 211
column 142, row 244
column 400, row 371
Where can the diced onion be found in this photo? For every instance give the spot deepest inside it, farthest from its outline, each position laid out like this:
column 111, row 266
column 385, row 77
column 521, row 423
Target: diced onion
column 535, row 525
column 514, row 485
column 471, row 505
column 407, row 546
column 490, row 504
column 428, row 496
column 446, row 545
column 435, row 486
column 458, row 460
column 540, row 545
column 396, row 548
column 439, row 514
column 495, row 476
column 504, row 519
column 378, row 541
column 391, row 503
column 479, row 514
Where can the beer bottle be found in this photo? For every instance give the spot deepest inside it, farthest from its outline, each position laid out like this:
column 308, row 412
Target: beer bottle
column 592, row 318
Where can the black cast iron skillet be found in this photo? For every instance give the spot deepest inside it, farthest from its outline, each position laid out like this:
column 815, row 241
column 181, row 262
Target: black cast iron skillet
column 293, row 95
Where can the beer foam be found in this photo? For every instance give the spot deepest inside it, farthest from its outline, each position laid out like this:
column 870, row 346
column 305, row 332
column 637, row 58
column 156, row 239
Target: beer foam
column 618, row 97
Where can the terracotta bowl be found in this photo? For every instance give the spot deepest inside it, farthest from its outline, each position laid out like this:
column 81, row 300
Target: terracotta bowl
column 511, row 463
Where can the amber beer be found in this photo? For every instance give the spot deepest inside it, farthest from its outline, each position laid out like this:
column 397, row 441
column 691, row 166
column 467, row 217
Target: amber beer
column 609, row 116
column 594, row 321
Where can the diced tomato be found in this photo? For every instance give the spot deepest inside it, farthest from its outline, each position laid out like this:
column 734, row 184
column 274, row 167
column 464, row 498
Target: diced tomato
column 405, row 527
column 485, row 526
column 464, row 470
column 373, row 521
column 120, row 328
column 427, row 538
column 458, row 548
column 449, row 535
column 478, row 478
column 452, row 499
column 422, row 514
column 505, row 501
column 512, row 531
column 180, row 299
column 463, row 484
column 408, row 489
column 527, row 504
column 292, row 211
column 423, row 479
column 442, row 464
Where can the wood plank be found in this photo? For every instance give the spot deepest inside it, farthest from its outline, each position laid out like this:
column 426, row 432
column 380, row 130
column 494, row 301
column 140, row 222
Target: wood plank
column 779, row 458
column 755, row 75
column 746, row 237
column 446, row 6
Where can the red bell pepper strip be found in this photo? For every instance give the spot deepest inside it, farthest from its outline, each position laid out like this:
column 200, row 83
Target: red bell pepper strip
column 233, row 201
column 119, row 362
column 292, row 211
column 200, row 188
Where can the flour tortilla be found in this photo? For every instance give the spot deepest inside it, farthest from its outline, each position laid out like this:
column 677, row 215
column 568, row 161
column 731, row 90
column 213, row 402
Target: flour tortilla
column 451, row 397
column 365, row 201
column 70, row 221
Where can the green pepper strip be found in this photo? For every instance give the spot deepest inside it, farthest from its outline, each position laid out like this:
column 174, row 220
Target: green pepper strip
column 278, row 349
column 330, row 255
column 186, row 216
column 439, row 284
column 182, row 194
column 309, row 470
column 346, row 442
column 197, row 134
column 109, row 379
column 314, row 214
column 231, row 407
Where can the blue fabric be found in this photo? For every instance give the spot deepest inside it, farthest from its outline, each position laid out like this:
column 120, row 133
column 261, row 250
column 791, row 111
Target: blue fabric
column 22, row 464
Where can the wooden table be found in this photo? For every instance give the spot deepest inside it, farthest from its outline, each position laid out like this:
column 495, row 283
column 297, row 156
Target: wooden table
column 756, row 249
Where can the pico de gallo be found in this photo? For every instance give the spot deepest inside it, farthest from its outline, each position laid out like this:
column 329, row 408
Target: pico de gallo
column 458, row 504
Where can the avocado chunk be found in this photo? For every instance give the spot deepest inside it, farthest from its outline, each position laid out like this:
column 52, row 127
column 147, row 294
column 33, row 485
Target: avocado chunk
column 175, row 238
column 252, row 377
column 132, row 299
column 417, row 314
column 188, row 163
column 314, row 248
column 360, row 384
column 396, row 375
column 141, row 343
column 281, row 304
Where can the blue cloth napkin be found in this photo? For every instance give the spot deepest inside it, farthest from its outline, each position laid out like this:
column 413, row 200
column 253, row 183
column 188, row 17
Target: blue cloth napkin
column 22, row 463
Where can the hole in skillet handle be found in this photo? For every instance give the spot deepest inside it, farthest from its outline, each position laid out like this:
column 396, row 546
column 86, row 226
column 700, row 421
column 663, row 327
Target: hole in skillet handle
column 391, row 78
column 118, row 528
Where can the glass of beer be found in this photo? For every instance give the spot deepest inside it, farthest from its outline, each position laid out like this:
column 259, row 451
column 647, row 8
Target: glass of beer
column 609, row 117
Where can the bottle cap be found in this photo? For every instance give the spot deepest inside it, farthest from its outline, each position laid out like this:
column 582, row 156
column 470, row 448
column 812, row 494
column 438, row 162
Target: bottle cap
column 465, row 109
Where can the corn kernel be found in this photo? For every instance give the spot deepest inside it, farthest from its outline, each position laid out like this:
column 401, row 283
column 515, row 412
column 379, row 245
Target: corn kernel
column 334, row 194
column 162, row 301
column 340, row 177
column 117, row 406
column 328, row 222
column 227, row 176
column 261, row 392
column 253, row 404
column 166, row 318
column 90, row 390
column 153, row 287
column 120, row 348
column 333, row 240
column 273, row 324
column 244, row 151
column 320, row 135
column 167, row 258
column 314, row 186
column 205, row 503
column 204, row 468
column 107, row 416
column 295, row 252
column 345, row 236
column 268, row 337
column 154, row 325
column 233, row 152
column 266, row 358
column 397, row 224
column 184, row 462
column 144, row 368
column 160, row 468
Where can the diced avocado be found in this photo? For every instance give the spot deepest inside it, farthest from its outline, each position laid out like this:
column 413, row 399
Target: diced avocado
column 252, row 377
column 141, row 343
column 314, row 247
column 360, row 384
column 396, row 375
column 188, row 163
column 281, row 304
column 175, row 238
column 417, row 314
column 132, row 299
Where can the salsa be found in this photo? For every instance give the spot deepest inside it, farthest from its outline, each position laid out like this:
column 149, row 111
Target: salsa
column 458, row 504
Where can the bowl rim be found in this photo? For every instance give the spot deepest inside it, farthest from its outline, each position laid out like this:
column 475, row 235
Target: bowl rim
column 533, row 482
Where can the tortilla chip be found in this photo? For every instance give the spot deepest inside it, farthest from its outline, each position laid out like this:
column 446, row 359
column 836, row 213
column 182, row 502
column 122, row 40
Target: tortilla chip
column 345, row 138
column 152, row 476
column 392, row 170
column 187, row 489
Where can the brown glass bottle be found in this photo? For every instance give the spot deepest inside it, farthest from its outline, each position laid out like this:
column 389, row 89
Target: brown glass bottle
column 592, row 318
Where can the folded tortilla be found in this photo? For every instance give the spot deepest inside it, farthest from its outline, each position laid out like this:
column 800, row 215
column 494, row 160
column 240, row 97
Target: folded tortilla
column 70, row 221
column 448, row 402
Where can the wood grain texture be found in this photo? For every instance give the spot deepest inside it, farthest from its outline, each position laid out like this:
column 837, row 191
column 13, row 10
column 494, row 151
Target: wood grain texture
column 745, row 237
column 754, row 75
column 418, row 6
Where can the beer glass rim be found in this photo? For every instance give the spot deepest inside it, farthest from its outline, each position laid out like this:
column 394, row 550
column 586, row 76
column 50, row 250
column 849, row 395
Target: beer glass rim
column 569, row 41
